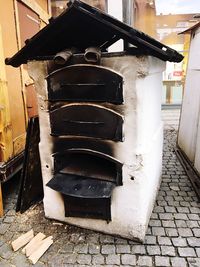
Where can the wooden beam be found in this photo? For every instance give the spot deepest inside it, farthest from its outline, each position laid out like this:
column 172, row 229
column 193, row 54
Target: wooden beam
column 34, row 244
column 1, row 202
column 22, row 240
column 46, row 243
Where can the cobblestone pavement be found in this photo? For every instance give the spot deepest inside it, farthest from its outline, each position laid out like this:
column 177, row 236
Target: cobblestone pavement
column 173, row 236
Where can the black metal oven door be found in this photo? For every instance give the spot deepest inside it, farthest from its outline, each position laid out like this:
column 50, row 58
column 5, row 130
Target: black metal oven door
column 87, row 120
column 86, row 83
column 82, row 162
column 84, row 197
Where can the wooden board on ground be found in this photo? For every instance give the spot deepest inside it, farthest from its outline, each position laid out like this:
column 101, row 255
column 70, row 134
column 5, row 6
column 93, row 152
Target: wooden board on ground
column 46, row 243
column 33, row 244
column 22, row 240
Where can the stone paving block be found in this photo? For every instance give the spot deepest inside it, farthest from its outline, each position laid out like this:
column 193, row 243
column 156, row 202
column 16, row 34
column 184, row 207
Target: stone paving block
column 193, row 241
column 198, row 252
column 9, row 219
column 170, row 209
column 154, row 223
column 180, row 216
column 40, row 264
column 171, row 232
column 192, row 224
column 193, row 262
column 153, row 250
column 144, row 261
column 6, row 252
column 154, row 215
column 164, row 240
column 113, row 259
column 68, row 248
column 149, row 231
column 195, row 210
column 107, row 239
column 81, row 248
column 174, row 203
column 69, row 258
column 3, row 228
column 108, row 249
column 183, row 210
column 185, row 232
column 158, row 231
column 166, row 216
column 158, row 209
column 169, row 198
column 94, row 249
column 178, row 262
column 97, row 259
column 20, row 260
column 162, row 203
column 180, row 223
column 120, row 241
column 4, row 263
column 193, row 217
column 196, row 232
column 128, row 259
column 179, row 242
column 150, row 240
column 84, row 259
column 162, row 261
column 168, row 223
column 168, row 251
column 138, row 249
column 185, row 203
column 93, row 238
column 178, row 198
column 186, row 252
column 123, row 249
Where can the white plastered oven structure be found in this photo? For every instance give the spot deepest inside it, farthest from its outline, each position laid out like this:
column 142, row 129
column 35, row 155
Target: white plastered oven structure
column 140, row 152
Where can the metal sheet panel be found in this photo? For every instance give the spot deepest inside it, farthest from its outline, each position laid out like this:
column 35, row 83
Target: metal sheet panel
column 84, row 197
column 87, row 120
column 13, row 76
column 88, row 163
column 85, row 83
column 6, row 145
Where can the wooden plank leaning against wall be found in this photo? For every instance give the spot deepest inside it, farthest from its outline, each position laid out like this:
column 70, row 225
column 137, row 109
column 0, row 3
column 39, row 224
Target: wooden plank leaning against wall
column 13, row 82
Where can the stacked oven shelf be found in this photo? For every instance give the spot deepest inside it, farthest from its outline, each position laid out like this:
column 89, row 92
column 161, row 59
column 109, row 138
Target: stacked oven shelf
column 78, row 96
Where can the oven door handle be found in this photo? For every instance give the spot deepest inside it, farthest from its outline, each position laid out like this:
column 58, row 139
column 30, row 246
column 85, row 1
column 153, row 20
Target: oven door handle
column 85, row 122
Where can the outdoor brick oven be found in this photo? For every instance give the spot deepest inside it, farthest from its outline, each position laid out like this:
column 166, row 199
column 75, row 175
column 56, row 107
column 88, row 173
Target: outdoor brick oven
column 100, row 120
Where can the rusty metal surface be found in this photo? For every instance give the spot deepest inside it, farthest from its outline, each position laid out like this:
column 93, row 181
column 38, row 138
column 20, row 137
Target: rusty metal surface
column 11, row 167
column 86, row 120
column 85, row 83
column 88, row 163
column 82, row 26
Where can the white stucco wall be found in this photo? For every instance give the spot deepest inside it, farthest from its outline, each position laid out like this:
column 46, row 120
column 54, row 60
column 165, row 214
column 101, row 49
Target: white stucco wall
column 189, row 128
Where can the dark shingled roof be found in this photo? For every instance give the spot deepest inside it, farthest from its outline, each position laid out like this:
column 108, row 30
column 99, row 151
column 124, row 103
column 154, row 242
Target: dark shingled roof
column 82, row 26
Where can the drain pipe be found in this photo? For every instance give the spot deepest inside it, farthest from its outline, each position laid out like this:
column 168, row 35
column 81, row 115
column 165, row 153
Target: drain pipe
column 128, row 12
